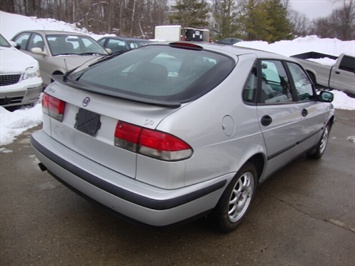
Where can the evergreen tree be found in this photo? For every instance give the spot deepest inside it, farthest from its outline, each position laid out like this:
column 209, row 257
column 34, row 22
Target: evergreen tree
column 264, row 20
column 225, row 14
column 280, row 26
column 190, row 13
column 253, row 20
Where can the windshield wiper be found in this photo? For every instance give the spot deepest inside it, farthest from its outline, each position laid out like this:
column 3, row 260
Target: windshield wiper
column 91, row 53
column 65, row 54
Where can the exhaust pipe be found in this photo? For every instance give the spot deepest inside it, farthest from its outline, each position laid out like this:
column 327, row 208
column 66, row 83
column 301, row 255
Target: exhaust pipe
column 42, row 167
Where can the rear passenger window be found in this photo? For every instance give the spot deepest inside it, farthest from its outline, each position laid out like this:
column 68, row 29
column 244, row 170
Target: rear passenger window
column 22, row 40
column 275, row 87
column 116, row 45
column 250, row 88
column 301, row 82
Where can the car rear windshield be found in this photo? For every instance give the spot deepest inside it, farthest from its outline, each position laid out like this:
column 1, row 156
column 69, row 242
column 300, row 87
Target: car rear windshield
column 157, row 73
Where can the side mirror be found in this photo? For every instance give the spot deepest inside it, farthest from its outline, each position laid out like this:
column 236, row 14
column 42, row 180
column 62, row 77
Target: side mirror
column 325, row 96
column 39, row 51
column 108, row 50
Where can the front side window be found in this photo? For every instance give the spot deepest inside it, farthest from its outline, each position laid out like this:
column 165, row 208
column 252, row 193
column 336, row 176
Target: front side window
column 36, row 41
column 301, row 82
column 159, row 72
column 274, row 87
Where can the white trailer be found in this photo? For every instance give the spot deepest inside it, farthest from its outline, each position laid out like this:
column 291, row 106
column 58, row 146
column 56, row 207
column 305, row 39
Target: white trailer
column 170, row 33
column 173, row 33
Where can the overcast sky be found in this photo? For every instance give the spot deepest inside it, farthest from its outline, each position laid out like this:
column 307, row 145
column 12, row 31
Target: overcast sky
column 315, row 8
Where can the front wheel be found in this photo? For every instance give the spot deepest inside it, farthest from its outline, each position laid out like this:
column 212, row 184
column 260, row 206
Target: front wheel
column 236, row 199
column 318, row 151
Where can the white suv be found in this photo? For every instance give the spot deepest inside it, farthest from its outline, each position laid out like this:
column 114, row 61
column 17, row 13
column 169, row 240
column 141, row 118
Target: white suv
column 20, row 81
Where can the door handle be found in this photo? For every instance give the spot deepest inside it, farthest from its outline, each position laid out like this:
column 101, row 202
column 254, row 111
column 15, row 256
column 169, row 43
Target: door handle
column 304, row 112
column 266, row 120
column 337, row 72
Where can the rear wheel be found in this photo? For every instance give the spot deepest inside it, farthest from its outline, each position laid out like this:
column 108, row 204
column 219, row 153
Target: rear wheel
column 318, row 151
column 236, row 199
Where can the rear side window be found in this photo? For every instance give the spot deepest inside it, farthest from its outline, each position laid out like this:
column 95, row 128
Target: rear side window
column 116, row 45
column 275, row 86
column 251, row 86
column 159, row 73
column 22, row 40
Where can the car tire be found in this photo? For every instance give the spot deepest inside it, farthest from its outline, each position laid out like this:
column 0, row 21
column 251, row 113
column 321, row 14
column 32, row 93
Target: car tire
column 318, row 151
column 236, row 199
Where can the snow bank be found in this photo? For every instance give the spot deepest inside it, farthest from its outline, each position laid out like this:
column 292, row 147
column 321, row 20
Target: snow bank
column 304, row 44
column 11, row 24
column 17, row 122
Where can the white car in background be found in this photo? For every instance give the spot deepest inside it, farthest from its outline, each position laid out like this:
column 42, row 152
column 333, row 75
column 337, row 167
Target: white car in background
column 20, row 81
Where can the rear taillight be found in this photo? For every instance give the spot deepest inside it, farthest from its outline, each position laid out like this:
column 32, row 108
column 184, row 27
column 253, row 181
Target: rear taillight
column 126, row 136
column 53, row 107
column 151, row 143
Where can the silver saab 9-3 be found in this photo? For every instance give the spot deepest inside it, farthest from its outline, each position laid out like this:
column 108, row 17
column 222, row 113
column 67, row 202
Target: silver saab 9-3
column 169, row 132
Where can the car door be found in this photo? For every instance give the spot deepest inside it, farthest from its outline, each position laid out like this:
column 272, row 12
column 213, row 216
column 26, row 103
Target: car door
column 22, row 41
column 314, row 113
column 27, row 41
column 343, row 77
column 279, row 116
column 46, row 67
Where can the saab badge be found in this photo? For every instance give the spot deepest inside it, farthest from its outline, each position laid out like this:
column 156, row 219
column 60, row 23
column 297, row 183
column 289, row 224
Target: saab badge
column 86, row 101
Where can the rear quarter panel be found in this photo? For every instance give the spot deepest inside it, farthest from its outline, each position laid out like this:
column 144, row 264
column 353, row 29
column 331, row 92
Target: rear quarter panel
column 221, row 129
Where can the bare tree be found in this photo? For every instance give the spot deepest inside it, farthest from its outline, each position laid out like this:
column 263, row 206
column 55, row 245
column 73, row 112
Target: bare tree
column 340, row 24
column 344, row 20
column 8, row 5
column 300, row 23
column 122, row 17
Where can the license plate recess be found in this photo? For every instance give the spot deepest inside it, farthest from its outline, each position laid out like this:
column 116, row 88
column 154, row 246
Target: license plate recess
column 87, row 122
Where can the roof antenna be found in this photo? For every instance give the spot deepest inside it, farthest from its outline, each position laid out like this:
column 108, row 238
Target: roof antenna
column 66, row 66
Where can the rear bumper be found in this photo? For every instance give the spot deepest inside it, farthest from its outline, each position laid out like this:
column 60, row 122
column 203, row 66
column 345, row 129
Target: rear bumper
column 129, row 197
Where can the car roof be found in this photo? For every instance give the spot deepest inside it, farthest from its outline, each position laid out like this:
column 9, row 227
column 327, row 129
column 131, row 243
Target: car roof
column 238, row 50
column 57, row 32
column 125, row 38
